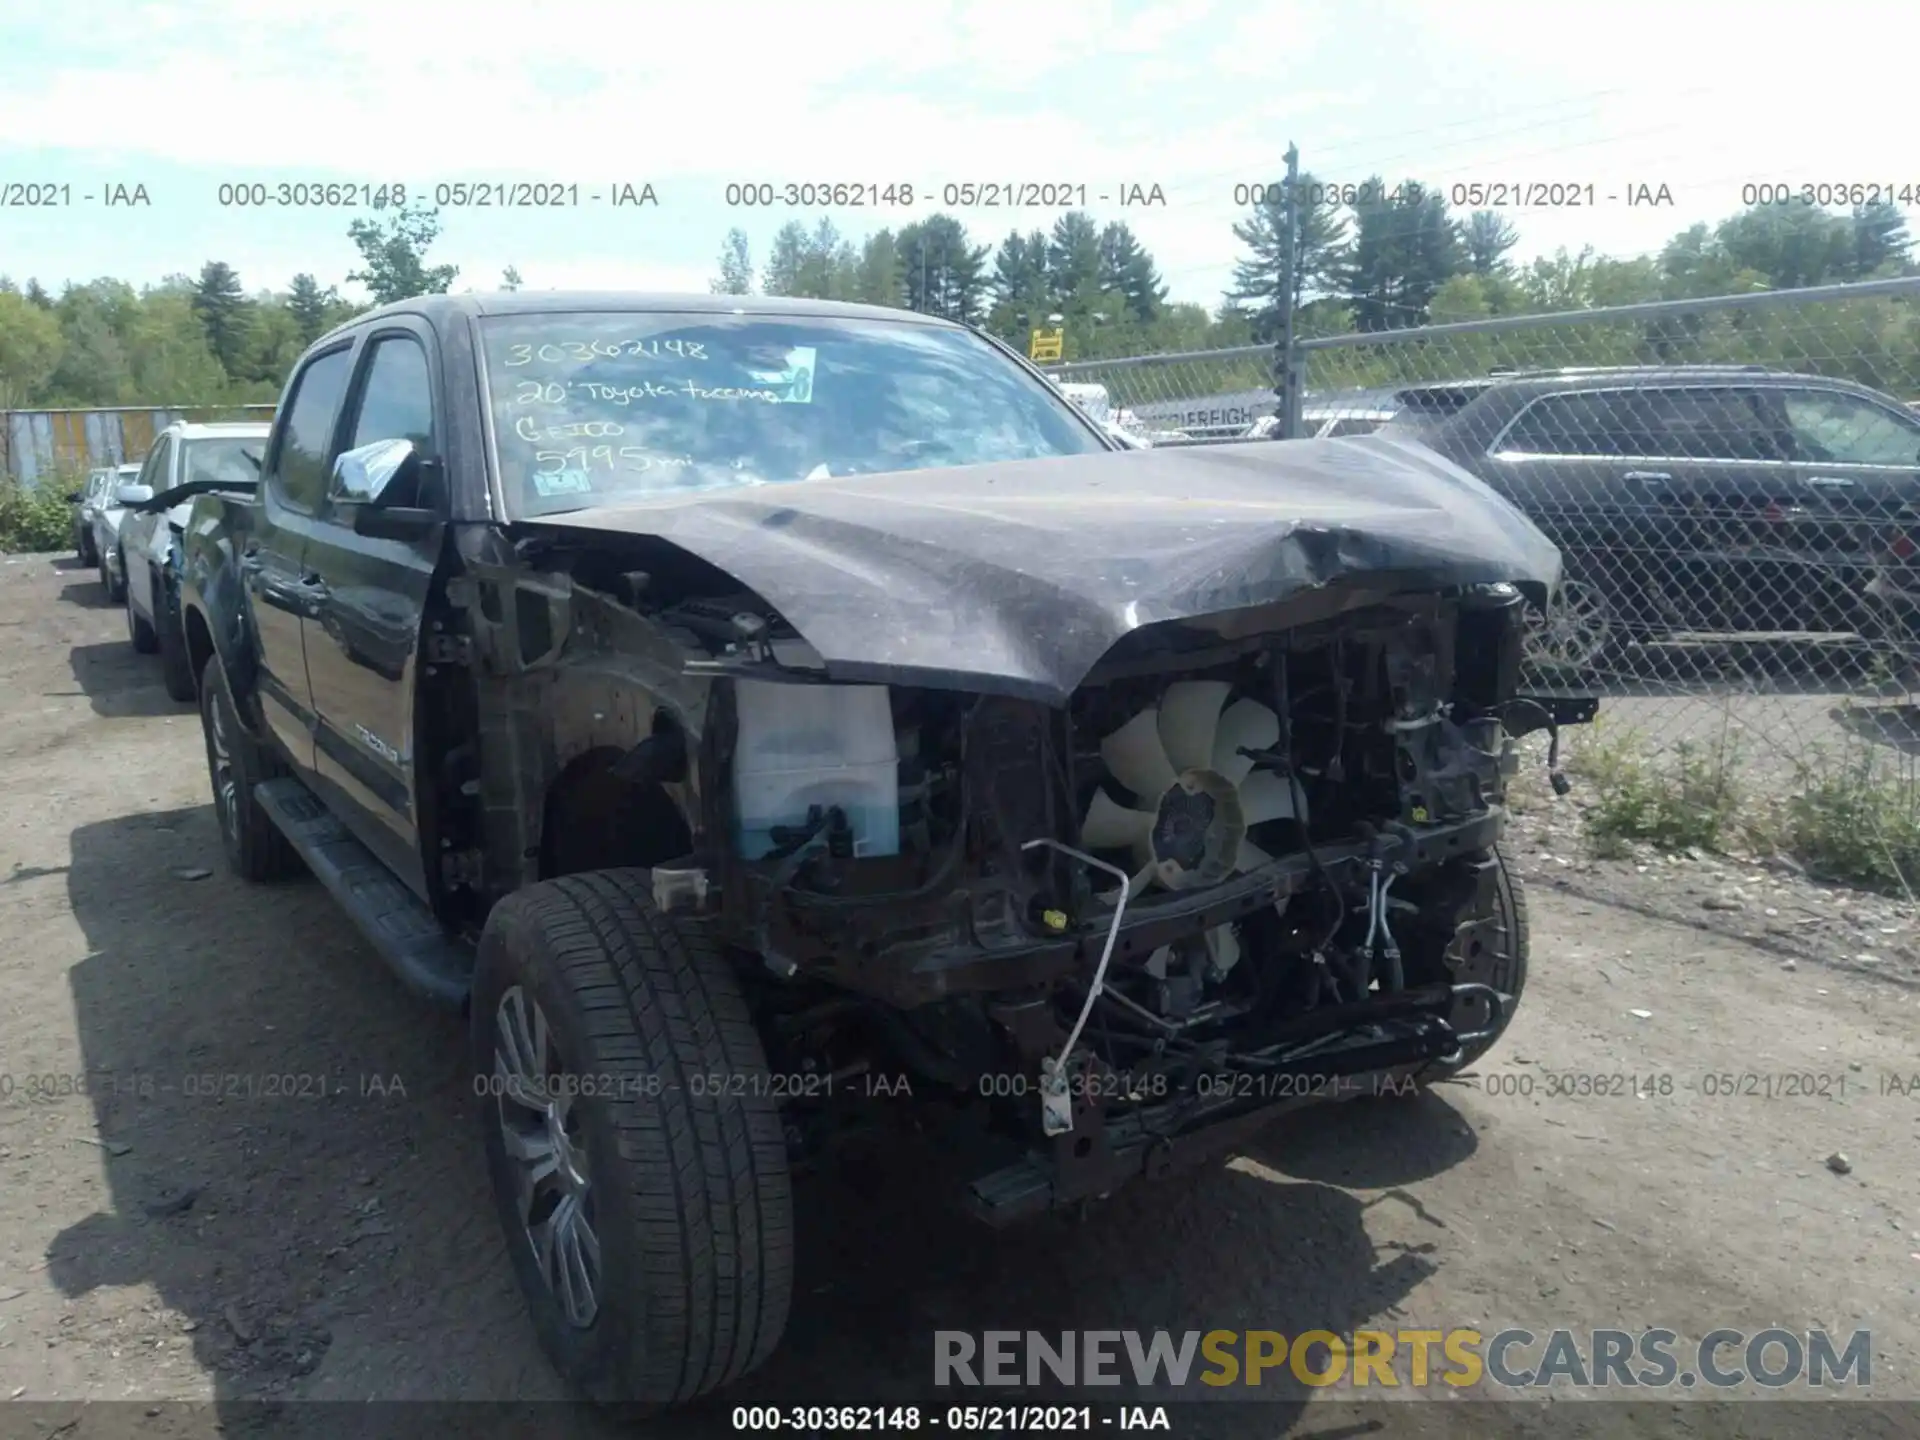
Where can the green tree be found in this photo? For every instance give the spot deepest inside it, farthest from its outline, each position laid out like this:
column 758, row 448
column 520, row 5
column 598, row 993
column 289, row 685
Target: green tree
column 786, row 259
column 168, row 353
column 1881, row 244
column 273, row 344
column 1073, row 265
column 881, row 281
column 394, row 256
column 1486, row 237
column 1258, row 277
column 829, row 266
column 1792, row 245
column 944, row 272
column 1405, row 247
column 94, row 367
column 510, row 279
column 30, row 346
column 1126, row 269
column 311, row 307
column 1020, row 287
column 37, row 294
column 225, row 314
column 736, row 266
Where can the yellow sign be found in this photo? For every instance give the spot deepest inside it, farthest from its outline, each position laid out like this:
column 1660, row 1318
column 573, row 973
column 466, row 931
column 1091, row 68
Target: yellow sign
column 1045, row 345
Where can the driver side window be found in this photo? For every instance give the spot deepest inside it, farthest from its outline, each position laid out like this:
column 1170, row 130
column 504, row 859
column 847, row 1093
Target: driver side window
column 396, row 403
column 1840, row 429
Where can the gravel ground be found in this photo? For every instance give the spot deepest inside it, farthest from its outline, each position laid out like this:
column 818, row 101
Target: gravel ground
column 174, row 1235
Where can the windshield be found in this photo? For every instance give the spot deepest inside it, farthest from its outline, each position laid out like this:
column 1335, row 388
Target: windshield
column 223, row 461
column 599, row 409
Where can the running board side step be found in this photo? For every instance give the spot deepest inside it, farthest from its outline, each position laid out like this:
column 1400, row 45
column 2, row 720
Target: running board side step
column 391, row 916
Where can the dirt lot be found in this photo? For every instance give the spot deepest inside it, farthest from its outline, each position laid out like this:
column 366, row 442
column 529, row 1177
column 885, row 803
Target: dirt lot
column 174, row 1235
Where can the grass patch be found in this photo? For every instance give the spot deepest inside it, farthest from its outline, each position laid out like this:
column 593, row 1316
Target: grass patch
column 1686, row 798
column 35, row 520
column 1855, row 818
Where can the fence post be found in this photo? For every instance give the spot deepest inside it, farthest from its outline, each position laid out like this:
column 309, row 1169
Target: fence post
column 1286, row 366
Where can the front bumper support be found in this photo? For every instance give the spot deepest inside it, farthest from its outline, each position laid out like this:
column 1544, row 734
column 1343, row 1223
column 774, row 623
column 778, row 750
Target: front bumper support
column 1374, row 1048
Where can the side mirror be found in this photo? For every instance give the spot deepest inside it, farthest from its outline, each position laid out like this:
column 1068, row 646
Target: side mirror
column 74, row 497
column 133, row 494
column 362, row 476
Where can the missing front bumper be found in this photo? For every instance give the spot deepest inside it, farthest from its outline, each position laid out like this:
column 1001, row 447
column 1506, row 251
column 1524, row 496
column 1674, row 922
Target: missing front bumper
column 1384, row 1047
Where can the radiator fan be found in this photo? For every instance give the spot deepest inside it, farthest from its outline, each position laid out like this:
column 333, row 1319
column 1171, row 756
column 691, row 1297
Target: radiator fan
column 1196, row 795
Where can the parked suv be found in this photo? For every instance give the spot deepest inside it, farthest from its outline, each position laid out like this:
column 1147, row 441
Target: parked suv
column 185, row 460
column 1734, row 501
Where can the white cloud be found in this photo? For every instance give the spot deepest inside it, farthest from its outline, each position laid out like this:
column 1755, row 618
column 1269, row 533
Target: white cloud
column 1191, row 94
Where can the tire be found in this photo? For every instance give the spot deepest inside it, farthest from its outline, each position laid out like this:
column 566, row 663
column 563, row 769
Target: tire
column 85, row 548
column 115, row 588
column 139, row 631
column 686, row 1189
column 1491, row 948
column 255, row 848
column 176, row 669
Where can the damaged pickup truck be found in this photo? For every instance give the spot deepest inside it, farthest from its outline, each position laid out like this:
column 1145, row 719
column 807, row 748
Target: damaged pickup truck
column 726, row 699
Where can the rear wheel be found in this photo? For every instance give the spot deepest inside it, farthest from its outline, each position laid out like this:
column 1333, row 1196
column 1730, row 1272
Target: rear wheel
column 635, row 1149
column 139, row 631
column 109, row 582
column 236, row 762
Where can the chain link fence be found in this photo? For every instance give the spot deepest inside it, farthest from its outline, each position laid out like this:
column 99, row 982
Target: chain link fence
column 1733, row 482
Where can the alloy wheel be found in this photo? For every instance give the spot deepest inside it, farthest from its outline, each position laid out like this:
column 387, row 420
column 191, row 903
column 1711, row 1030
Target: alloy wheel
column 226, row 788
column 540, row 1128
column 1574, row 632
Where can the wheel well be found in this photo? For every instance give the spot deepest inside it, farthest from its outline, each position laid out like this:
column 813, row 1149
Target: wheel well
column 595, row 820
column 199, row 643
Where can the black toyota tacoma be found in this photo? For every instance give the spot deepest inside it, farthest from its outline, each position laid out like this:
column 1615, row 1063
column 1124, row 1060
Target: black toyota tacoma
column 727, row 699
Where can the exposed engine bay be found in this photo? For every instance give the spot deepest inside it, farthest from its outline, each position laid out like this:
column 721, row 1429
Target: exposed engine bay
column 1116, row 802
column 1227, row 862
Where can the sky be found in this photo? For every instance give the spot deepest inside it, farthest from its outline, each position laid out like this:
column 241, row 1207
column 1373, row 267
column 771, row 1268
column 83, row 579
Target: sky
column 1192, row 96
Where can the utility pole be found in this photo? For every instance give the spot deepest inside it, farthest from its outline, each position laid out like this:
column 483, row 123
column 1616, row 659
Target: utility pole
column 1286, row 366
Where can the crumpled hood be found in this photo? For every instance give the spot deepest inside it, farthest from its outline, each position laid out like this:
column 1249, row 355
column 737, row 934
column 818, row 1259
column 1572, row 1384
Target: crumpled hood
column 1017, row 578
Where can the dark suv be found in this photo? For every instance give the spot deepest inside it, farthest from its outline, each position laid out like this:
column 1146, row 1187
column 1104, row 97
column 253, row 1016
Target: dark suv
column 1723, row 500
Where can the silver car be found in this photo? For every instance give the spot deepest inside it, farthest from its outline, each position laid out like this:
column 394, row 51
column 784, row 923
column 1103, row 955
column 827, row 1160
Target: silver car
column 103, row 528
column 86, row 502
column 203, row 456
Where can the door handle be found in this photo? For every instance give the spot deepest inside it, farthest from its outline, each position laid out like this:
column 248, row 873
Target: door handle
column 1648, row 477
column 1830, row 482
column 251, row 563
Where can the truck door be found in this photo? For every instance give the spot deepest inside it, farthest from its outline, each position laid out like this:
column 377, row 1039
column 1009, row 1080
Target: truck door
column 280, row 588
column 363, row 635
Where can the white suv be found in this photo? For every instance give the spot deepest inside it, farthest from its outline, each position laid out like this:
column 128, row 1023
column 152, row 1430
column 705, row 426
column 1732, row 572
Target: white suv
column 203, row 457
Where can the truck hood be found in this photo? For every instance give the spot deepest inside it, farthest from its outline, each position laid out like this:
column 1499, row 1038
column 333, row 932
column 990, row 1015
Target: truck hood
column 1017, row 578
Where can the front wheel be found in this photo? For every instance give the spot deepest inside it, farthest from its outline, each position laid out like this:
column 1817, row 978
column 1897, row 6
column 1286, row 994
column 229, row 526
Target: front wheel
column 636, row 1152
column 1488, row 945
